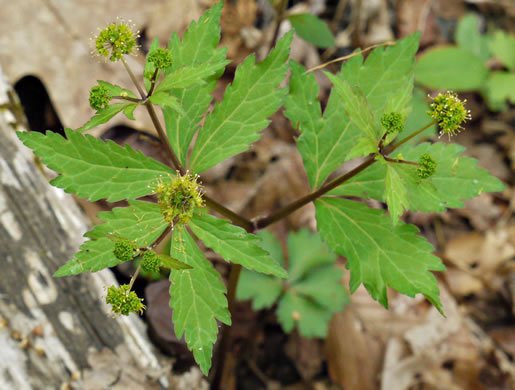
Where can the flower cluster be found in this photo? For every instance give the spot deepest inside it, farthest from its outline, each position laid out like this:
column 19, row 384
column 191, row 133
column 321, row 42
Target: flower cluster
column 449, row 111
column 124, row 250
column 161, row 58
column 115, row 40
column 99, row 97
column 179, row 198
column 123, row 300
column 426, row 166
column 393, row 122
column 151, row 262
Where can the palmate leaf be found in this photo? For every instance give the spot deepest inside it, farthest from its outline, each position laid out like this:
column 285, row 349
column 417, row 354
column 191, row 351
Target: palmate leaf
column 455, row 179
column 197, row 297
column 140, row 222
column 94, row 169
column 234, row 244
column 396, row 194
column 325, row 143
column 199, row 44
column 379, row 255
column 248, row 102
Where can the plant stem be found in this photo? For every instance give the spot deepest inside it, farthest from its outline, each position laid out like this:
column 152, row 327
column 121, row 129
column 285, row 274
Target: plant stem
column 235, row 218
column 131, row 99
column 163, row 235
column 133, row 78
column 280, row 11
column 134, row 276
column 402, row 142
column 153, row 83
column 395, row 160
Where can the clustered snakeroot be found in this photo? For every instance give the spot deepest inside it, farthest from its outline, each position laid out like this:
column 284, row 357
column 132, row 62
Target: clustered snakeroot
column 426, row 166
column 116, row 40
column 124, row 301
column 124, row 250
column 179, row 198
column 392, row 122
column 161, row 58
column 151, row 262
column 450, row 113
column 99, row 97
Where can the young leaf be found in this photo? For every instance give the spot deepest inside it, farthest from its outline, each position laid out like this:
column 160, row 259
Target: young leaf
column 456, row 178
column 93, row 256
column 94, row 169
column 502, row 46
column 450, row 68
column 116, row 90
column 198, row 45
column 468, row 37
column 234, row 244
column 170, row 263
column 164, row 100
column 129, row 111
column 312, row 29
column 105, row 114
column 377, row 255
column 396, row 194
column 197, row 297
column 248, row 102
column 324, row 145
column 363, row 147
column 355, row 105
column 140, row 222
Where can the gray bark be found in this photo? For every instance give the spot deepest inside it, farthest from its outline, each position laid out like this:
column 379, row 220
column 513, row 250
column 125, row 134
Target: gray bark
column 53, row 330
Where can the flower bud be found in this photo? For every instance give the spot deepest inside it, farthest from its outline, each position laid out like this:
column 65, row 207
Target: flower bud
column 124, row 301
column 426, row 166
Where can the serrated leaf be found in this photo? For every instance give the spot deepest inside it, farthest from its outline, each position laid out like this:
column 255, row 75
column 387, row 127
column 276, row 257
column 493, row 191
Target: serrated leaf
column 379, row 256
column 363, row 147
column 189, row 75
column 396, row 194
column 149, row 67
column 264, row 290
column 202, row 356
column 500, row 88
column 234, row 244
column 170, row 263
column 140, row 222
column 248, row 102
column 468, row 37
column 455, row 179
column 164, row 99
column 197, row 297
column 104, row 115
column 116, row 90
column 93, row 255
column 94, row 169
column 312, row 29
column 355, row 105
column 129, row 111
column 450, row 68
column 502, row 46
column 325, row 144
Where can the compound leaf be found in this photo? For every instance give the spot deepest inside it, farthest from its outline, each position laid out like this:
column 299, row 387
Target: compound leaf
column 248, row 102
column 456, row 178
column 199, row 45
column 379, row 256
column 396, row 194
column 197, row 297
column 105, row 114
column 140, row 222
column 189, row 75
column 234, row 244
column 94, row 169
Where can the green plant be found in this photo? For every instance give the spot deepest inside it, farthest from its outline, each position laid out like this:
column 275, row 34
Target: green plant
column 381, row 250
column 464, row 67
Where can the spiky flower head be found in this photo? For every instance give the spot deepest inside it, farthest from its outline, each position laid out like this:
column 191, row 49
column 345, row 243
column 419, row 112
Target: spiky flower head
column 124, row 301
column 393, row 122
column 151, row 262
column 161, row 58
column 426, row 166
column 124, row 250
column 99, row 97
column 115, row 40
column 179, row 198
column 450, row 112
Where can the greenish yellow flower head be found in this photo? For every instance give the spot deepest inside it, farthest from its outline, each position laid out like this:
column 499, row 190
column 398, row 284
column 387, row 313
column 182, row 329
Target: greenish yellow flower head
column 124, row 301
column 426, row 166
column 450, row 112
column 124, row 250
column 151, row 262
column 393, row 122
column 179, row 198
column 115, row 40
column 161, row 58
column 99, row 97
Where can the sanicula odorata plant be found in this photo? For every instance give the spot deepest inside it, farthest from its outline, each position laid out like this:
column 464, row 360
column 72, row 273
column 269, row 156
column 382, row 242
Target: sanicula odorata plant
column 364, row 118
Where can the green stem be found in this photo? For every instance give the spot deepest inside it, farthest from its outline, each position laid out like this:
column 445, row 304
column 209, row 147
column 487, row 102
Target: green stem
column 153, row 83
column 280, row 11
column 402, row 142
column 235, row 218
column 133, row 279
column 133, row 78
column 397, row 161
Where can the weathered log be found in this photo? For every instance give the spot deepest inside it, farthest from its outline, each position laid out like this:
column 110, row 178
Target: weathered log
column 53, row 330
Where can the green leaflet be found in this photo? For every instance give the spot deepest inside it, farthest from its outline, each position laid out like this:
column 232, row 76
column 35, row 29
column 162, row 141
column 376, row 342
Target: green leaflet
column 396, row 194
column 197, row 298
column 140, row 222
column 165, row 100
column 198, row 45
column 116, row 90
column 379, row 256
column 325, row 143
column 248, row 102
column 234, row 244
column 313, row 292
column 105, row 114
column 456, row 178
column 502, row 46
column 467, row 37
column 312, row 29
column 94, row 169
column 93, row 256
